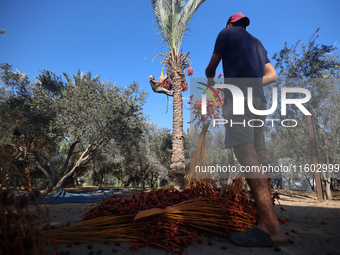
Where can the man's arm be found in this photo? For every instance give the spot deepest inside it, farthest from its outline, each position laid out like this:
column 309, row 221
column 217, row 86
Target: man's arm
column 157, row 82
column 211, row 68
column 160, row 82
column 269, row 75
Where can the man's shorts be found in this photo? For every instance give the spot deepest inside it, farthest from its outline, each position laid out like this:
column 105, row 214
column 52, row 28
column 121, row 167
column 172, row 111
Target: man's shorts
column 240, row 128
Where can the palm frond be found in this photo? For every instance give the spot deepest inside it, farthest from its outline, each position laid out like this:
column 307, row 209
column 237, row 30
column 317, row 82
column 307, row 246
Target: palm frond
column 172, row 19
column 80, row 77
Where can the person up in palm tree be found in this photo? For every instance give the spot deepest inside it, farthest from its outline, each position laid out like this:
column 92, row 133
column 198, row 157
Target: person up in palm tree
column 156, row 86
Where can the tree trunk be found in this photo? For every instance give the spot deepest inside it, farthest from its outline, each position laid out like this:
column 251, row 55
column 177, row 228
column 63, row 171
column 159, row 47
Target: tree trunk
column 96, row 174
column 69, row 154
column 54, row 177
column 177, row 166
column 141, row 175
column 101, row 184
column 327, row 181
column 84, row 156
column 328, row 192
column 151, row 182
column 51, row 180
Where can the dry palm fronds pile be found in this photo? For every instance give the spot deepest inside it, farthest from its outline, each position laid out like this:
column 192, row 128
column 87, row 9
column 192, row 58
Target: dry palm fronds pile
column 21, row 231
column 175, row 218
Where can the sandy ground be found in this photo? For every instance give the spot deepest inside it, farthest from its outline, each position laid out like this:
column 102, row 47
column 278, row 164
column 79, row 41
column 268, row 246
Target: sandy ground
column 304, row 228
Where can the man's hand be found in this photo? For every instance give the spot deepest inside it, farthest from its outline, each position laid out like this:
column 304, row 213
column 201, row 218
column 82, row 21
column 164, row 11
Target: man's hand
column 211, row 82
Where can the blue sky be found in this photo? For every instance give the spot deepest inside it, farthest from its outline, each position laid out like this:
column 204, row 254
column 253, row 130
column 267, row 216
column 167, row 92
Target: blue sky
column 117, row 39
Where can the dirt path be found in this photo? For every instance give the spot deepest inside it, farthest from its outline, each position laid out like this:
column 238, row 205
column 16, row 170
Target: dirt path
column 313, row 228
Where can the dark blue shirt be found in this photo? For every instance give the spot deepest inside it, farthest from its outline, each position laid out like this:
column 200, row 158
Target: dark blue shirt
column 243, row 56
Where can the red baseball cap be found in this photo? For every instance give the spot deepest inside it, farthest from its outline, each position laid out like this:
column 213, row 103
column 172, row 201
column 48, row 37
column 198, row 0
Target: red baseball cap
column 238, row 16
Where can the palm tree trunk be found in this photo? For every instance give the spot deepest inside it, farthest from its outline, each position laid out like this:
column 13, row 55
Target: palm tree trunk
column 177, row 166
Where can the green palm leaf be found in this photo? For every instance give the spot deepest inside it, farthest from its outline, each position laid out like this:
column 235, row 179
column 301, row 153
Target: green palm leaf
column 172, row 19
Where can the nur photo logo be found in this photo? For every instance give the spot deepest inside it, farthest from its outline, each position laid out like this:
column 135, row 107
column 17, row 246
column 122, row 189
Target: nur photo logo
column 204, row 97
column 242, row 100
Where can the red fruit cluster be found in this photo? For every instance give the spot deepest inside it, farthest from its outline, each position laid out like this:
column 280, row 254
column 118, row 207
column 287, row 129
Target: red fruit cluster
column 213, row 111
column 282, row 221
column 166, row 232
column 185, row 86
column 166, row 84
column 190, row 71
column 118, row 205
column 275, row 197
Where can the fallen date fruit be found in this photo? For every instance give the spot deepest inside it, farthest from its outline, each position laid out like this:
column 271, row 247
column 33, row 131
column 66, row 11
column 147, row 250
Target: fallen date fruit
column 277, row 249
column 323, row 223
column 114, row 250
column 172, row 235
column 224, row 247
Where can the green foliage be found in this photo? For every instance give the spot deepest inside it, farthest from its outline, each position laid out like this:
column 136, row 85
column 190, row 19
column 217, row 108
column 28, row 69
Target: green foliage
column 316, row 68
column 83, row 128
column 90, row 109
column 149, row 160
column 312, row 61
column 70, row 123
column 18, row 111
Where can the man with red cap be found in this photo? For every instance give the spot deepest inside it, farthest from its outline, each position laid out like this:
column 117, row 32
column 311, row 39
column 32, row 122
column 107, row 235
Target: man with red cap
column 245, row 64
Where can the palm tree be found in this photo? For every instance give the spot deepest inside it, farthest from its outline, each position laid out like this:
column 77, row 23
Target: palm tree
column 172, row 19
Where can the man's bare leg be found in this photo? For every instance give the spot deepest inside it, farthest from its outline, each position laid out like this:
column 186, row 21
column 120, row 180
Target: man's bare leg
column 259, row 184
